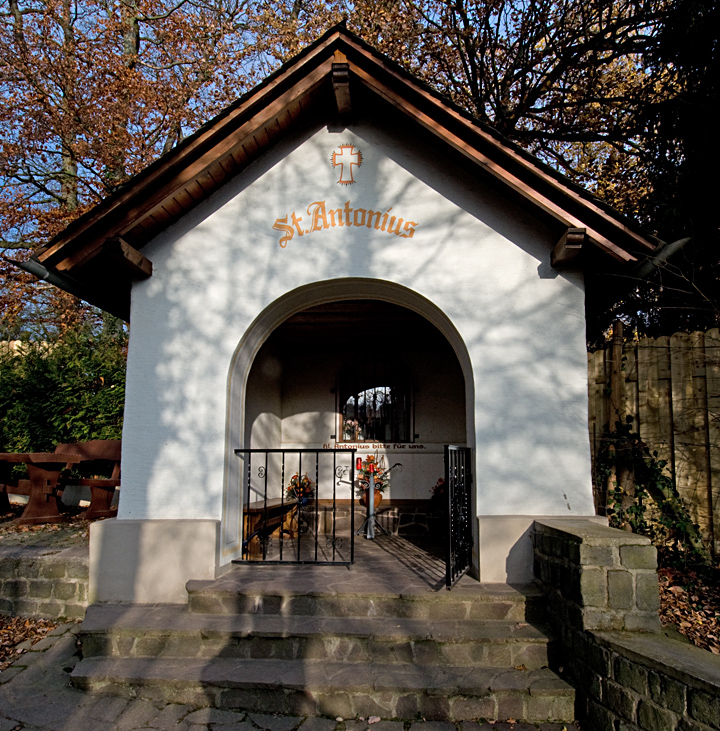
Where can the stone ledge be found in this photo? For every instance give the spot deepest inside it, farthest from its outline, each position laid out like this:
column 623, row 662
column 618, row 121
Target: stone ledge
column 591, row 533
column 688, row 664
column 600, row 578
column 345, row 689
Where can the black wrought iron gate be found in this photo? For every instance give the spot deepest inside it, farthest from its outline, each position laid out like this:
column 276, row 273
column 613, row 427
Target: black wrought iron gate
column 298, row 505
column 458, row 480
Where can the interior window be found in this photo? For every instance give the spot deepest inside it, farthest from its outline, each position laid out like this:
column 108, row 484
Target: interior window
column 375, row 403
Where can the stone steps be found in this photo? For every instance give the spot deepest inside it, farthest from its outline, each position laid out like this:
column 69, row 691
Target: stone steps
column 171, row 631
column 384, row 638
column 468, row 600
column 316, row 688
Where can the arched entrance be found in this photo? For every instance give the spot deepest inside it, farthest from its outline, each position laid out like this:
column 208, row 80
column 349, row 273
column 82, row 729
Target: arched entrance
column 305, row 372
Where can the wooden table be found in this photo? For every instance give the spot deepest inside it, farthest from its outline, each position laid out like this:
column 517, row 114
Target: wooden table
column 44, row 469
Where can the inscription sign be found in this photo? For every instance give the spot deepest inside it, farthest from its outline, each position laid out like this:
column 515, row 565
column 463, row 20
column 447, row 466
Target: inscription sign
column 373, row 445
column 320, row 217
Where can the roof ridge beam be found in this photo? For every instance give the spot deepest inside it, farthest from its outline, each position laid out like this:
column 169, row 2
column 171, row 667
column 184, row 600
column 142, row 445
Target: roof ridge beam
column 341, row 84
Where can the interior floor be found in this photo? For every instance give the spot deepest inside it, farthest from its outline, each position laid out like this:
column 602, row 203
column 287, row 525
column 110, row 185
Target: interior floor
column 419, row 558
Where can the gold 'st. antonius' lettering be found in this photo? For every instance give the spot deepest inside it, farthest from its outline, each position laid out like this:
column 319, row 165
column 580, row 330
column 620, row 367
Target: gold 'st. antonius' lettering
column 321, row 217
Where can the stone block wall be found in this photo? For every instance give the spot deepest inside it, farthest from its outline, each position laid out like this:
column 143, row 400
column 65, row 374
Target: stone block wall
column 599, row 578
column 44, row 582
column 603, row 594
column 650, row 682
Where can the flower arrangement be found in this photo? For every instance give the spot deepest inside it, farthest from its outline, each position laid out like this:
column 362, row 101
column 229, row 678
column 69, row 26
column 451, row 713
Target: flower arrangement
column 438, row 497
column 438, row 490
column 372, row 469
column 301, row 489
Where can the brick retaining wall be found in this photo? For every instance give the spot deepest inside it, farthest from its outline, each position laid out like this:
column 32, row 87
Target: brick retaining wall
column 650, row 682
column 44, row 582
column 602, row 588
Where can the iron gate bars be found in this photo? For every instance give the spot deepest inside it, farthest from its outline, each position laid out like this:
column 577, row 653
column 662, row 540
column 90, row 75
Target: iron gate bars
column 458, row 479
column 298, row 505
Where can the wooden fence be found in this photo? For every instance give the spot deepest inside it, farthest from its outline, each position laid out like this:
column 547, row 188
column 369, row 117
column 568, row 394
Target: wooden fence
column 671, row 388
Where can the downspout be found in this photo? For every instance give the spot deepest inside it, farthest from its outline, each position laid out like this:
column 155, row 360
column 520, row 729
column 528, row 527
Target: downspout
column 662, row 254
column 34, row 267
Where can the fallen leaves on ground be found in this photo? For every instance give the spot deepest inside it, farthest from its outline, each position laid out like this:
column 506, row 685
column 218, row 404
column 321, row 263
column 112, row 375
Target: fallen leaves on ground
column 691, row 601
column 15, row 630
column 74, row 530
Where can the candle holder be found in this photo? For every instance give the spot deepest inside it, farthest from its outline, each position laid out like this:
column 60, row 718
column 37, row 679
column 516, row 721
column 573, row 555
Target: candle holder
column 371, row 474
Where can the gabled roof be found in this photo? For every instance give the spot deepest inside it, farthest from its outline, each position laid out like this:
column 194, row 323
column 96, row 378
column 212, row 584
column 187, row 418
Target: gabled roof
column 99, row 255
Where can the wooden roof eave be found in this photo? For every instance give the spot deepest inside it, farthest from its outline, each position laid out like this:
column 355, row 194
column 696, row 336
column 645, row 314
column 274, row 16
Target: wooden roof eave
column 499, row 173
column 444, row 121
column 80, row 242
column 194, row 158
column 513, row 182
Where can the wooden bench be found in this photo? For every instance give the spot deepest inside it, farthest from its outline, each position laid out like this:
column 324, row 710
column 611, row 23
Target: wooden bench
column 44, row 469
column 48, row 479
column 99, row 455
column 262, row 519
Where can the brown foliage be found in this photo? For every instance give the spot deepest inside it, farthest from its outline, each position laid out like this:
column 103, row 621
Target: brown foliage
column 92, row 91
column 563, row 78
column 691, row 601
column 96, row 91
column 17, row 630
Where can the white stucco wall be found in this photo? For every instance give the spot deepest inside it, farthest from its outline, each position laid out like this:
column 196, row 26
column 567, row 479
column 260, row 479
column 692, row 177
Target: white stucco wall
column 483, row 262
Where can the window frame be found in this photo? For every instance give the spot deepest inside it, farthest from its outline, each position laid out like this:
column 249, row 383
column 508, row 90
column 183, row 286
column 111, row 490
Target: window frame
column 359, row 372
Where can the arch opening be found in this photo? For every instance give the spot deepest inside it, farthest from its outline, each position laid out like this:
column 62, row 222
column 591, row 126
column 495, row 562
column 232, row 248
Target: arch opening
column 313, row 351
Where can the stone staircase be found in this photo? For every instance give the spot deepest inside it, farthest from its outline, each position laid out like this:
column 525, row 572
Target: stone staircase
column 381, row 639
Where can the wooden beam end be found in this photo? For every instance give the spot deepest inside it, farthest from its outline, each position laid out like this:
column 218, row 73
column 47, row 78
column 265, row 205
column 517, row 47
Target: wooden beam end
column 341, row 86
column 569, row 248
column 131, row 259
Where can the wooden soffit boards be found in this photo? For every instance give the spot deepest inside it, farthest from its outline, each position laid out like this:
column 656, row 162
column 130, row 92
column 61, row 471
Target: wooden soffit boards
column 172, row 188
column 204, row 161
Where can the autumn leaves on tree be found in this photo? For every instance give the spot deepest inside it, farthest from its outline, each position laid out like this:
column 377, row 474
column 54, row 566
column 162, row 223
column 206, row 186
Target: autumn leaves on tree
column 92, row 91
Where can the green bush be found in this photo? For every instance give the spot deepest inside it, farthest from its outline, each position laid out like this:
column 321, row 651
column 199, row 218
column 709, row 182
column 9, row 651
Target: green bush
column 65, row 391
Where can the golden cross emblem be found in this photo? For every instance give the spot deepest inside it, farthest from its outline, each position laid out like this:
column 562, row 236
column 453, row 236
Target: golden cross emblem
column 345, row 159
